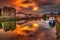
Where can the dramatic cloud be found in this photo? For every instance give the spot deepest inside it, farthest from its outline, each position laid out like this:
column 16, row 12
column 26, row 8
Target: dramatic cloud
column 28, row 4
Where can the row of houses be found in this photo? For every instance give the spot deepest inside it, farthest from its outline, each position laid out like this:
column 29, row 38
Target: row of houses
column 52, row 15
column 8, row 12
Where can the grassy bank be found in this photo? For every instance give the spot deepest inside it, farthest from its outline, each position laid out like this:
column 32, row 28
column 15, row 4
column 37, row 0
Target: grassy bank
column 58, row 29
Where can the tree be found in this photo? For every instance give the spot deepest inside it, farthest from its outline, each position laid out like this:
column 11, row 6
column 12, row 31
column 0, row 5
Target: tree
column 0, row 11
column 44, row 17
column 0, row 25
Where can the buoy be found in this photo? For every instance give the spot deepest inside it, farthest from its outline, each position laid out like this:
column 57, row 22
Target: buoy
column 52, row 23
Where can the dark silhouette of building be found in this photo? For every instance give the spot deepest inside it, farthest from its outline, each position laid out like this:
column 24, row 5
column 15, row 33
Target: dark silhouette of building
column 9, row 11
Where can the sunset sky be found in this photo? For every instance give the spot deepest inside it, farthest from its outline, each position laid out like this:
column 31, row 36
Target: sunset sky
column 29, row 5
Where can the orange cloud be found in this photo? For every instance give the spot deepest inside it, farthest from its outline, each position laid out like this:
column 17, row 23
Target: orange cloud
column 19, row 3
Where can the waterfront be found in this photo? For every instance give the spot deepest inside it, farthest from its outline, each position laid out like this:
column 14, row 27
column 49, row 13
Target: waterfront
column 42, row 31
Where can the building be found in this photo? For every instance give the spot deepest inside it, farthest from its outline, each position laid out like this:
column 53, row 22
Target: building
column 13, row 12
column 0, row 16
column 8, row 12
column 52, row 15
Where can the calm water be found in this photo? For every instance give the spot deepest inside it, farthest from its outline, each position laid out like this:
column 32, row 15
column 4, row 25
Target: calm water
column 42, row 32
